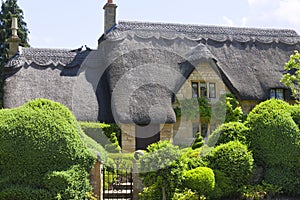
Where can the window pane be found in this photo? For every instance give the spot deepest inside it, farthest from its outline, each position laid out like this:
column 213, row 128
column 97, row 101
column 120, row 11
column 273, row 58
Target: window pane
column 272, row 93
column 195, row 93
column 204, row 127
column 203, row 89
column 212, row 90
column 279, row 94
column 195, row 129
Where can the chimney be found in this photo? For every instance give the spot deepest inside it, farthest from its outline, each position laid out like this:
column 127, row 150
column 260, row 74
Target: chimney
column 109, row 15
column 14, row 40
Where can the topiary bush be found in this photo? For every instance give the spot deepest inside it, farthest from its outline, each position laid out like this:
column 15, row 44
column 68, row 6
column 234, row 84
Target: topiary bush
column 200, row 180
column 113, row 145
column 69, row 184
column 161, row 166
column 37, row 139
column 234, row 160
column 191, row 158
column 198, row 142
column 223, row 186
column 275, row 141
column 228, row 132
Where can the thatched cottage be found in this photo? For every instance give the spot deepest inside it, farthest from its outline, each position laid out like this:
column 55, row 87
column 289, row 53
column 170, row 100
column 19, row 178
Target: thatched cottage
column 140, row 68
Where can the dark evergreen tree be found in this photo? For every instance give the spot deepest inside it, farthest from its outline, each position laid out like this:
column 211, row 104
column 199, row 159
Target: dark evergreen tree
column 9, row 9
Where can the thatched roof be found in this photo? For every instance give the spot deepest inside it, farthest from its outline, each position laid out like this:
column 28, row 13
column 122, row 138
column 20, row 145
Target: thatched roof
column 251, row 60
column 61, row 75
column 138, row 68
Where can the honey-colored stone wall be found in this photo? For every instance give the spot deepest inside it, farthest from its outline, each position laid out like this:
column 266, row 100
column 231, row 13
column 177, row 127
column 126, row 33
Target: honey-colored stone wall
column 128, row 137
column 166, row 132
column 204, row 72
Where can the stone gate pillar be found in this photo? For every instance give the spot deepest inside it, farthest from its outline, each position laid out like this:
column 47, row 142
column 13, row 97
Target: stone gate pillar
column 96, row 179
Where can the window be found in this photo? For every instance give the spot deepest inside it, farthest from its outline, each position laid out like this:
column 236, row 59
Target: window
column 195, row 90
column 204, row 129
column 212, row 90
column 203, row 89
column 199, row 89
column 195, row 129
column 277, row 93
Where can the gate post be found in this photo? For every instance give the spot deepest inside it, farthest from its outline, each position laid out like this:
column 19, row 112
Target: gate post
column 96, row 179
column 137, row 183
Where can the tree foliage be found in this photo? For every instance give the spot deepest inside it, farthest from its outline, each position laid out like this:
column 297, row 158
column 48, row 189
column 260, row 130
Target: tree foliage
column 161, row 169
column 292, row 76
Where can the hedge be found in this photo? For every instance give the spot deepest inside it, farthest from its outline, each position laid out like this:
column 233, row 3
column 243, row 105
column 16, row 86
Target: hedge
column 36, row 139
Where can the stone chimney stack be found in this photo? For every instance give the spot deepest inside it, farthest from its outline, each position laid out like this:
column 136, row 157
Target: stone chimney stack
column 14, row 40
column 109, row 15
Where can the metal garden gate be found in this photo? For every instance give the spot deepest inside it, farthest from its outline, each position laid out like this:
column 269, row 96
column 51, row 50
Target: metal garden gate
column 117, row 182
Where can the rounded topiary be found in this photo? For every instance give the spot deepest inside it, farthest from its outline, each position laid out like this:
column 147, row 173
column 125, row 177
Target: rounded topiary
column 200, row 179
column 275, row 141
column 228, row 132
column 273, row 134
column 37, row 138
column 234, row 160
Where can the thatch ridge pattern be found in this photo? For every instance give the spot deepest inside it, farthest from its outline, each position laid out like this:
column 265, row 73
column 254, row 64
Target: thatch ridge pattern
column 216, row 33
column 46, row 57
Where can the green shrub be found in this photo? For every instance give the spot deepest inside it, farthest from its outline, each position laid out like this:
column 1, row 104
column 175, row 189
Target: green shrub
column 228, row 132
column 223, row 187
column 295, row 113
column 273, row 134
column 274, row 139
column 70, row 184
column 200, row 180
column 162, row 166
column 96, row 131
column 198, row 141
column 36, row 139
column 113, row 146
column 187, row 194
column 261, row 191
column 234, row 160
column 192, row 159
column 151, row 192
column 16, row 192
column 122, row 161
column 113, row 128
column 286, row 178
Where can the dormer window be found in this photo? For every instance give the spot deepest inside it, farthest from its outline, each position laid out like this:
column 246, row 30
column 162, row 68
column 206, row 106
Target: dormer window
column 277, row 93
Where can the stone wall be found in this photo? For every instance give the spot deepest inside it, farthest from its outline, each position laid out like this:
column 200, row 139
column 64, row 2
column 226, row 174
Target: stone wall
column 204, row 72
column 128, row 137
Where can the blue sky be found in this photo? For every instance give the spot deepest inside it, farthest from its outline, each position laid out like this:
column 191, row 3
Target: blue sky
column 71, row 24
